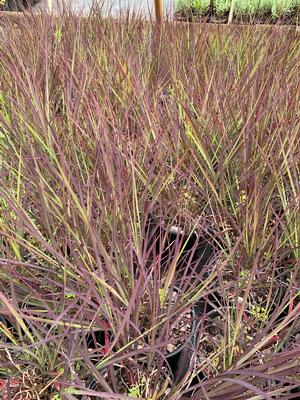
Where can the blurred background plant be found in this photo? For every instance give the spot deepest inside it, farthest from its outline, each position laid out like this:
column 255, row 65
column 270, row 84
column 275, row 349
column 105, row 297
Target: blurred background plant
column 267, row 9
column 17, row 5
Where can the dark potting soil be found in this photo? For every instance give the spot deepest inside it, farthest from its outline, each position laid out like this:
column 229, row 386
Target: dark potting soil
column 181, row 329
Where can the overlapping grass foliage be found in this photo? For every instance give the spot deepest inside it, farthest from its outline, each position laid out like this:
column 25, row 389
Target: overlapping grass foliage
column 105, row 127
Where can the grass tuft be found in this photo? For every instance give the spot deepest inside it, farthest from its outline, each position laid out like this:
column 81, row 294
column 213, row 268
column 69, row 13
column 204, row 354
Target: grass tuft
column 133, row 168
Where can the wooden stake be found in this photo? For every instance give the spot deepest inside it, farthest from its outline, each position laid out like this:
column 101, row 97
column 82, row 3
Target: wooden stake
column 159, row 13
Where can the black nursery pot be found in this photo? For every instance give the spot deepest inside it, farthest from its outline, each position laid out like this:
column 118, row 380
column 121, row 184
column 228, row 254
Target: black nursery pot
column 179, row 360
column 190, row 266
column 196, row 252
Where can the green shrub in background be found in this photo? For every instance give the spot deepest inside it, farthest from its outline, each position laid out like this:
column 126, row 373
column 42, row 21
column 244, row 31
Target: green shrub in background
column 279, row 7
column 251, row 7
column 222, row 6
column 275, row 8
column 202, row 6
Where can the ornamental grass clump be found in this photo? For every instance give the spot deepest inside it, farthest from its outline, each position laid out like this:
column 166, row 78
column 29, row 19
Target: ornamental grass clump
column 106, row 149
